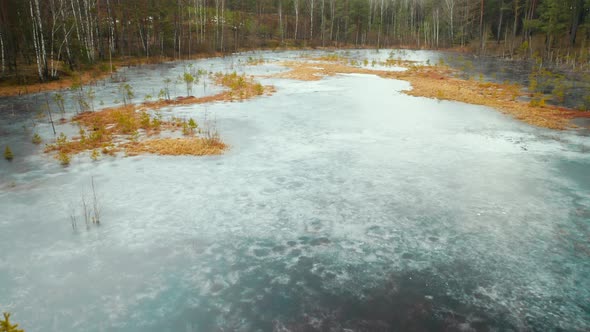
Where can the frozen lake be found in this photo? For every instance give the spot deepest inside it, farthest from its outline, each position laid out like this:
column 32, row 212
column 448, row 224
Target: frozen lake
column 342, row 204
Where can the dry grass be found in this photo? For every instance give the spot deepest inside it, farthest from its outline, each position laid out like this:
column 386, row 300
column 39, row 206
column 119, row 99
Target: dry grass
column 342, row 59
column 86, row 77
column 122, row 128
column 438, row 82
column 194, row 146
column 240, row 87
column 99, row 130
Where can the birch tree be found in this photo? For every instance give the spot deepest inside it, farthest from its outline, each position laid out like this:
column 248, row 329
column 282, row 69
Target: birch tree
column 450, row 11
column 296, row 5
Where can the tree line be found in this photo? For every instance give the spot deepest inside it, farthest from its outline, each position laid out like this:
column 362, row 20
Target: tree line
column 56, row 36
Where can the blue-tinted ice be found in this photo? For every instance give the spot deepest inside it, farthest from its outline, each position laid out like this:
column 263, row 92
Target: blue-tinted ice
column 342, row 204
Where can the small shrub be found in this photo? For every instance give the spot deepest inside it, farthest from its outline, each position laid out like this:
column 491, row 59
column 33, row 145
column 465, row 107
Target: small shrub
column 157, row 122
column 186, row 129
column 36, row 139
column 104, row 68
column 189, row 79
column 538, row 100
column 126, row 92
column 8, row 153
column 58, row 98
column 259, row 89
column 96, row 135
column 63, row 158
column 90, row 96
column 144, row 120
column 62, row 139
column 6, row 326
column 94, row 155
column 126, row 122
column 82, row 133
column 134, row 136
column 192, row 124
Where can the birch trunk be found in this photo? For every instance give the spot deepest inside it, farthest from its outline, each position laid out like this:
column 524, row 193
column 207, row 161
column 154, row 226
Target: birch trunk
column 296, row 5
column 311, row 21
column 2, row 50
column 35, row 42
column 41, row 40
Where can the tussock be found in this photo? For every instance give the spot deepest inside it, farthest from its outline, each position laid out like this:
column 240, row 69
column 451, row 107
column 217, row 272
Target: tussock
column 194, row 146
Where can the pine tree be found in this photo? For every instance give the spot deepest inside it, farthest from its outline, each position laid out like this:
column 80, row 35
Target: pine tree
column 6, row 326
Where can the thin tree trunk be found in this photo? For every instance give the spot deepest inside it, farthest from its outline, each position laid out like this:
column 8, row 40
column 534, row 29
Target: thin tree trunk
column 222, row 23
column 281, row 27
column 322, row 24
column 35, row 42
column 380, row 27
column 499, row 33
column 296, row 5
column 481, row 26
column 2, row 49
column 311, row 21
column 66, row 33
column 41, row 40
column 332, row 18
column 216, row 24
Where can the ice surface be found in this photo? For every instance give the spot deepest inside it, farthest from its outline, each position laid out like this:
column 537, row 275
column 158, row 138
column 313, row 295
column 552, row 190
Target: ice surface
column 342, row 203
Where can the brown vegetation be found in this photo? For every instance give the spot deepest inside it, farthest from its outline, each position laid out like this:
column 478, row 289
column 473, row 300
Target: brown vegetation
column 438, row 82
column 120, row 128
column 12, row 88
column 194, row 146
column 126, row 129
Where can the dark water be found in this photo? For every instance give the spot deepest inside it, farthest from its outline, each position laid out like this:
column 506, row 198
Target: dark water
column 576, row 83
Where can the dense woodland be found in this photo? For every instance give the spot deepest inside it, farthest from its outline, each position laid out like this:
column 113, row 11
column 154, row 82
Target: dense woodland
column 57, row 36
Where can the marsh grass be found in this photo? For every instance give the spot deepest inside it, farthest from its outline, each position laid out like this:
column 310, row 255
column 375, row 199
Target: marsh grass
column 252, row 61
column 89, row 208
column 240, row 86
column 194, row 146
column 441, row 82
column 123, row 128
column 128, row 128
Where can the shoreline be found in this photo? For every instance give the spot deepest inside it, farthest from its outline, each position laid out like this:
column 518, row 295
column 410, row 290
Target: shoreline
column 92, row 75
column 438, row 82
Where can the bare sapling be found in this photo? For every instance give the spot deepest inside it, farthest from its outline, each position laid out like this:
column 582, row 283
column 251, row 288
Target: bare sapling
column 96, row 210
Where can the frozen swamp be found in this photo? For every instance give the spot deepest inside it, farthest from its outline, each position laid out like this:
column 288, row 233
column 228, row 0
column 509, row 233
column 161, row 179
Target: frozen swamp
column 342, row 204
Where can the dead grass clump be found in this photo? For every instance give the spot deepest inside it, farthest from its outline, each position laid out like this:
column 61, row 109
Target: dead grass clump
column 194, row 146
column 240, row 87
